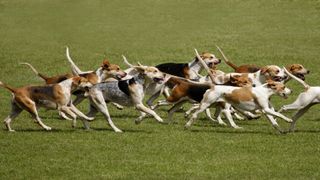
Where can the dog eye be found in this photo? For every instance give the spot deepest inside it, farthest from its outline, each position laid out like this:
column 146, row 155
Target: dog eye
column 118, row 69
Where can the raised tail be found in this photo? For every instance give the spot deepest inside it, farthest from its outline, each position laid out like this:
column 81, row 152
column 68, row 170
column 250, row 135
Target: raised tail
column 304, row 84
column 74, row 68
column 35, row 71
column 126, row 61
column 226, row 60
column 7, row 87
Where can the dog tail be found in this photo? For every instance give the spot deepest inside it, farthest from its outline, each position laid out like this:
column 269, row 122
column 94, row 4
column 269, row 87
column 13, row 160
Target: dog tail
column 126, row 61
column 304, row 84
column 35, row 71
column 7, row 87
column 74, row 68
column 226, row 60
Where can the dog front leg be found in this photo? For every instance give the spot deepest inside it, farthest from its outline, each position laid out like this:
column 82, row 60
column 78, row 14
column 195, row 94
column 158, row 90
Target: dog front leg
column 274, row 113
column 174, row 109
column 143, row 108
column 152, row 98
column 203, row 106
column 99, row 103
column 274, row 123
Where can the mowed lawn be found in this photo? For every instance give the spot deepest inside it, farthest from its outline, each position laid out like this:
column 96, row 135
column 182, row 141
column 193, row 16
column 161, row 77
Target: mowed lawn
column 152, row 32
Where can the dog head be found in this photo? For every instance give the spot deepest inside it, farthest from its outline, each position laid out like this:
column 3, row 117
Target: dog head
column 112, row 70
column 273, row 72
column 241, row 80
column 298, row 70
column 209, row 59
column 151, row 73
column 278, row 88
column 81, row 82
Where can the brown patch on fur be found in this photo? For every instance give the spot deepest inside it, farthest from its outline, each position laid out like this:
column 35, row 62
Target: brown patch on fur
column 56, row 79
column 186, row 70
column 91, row 77
column 240, row 80
column 240, row 95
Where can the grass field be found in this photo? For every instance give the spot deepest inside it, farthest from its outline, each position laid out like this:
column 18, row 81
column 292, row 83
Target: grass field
column 153, row 31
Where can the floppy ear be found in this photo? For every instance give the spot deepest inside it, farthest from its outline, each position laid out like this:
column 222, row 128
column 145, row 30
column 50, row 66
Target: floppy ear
column 140, row 69
column 105, row 64
column 264, row 69
column 76, row 80
column 234, row 79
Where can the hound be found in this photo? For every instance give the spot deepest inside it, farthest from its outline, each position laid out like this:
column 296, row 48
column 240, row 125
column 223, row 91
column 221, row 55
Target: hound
column 244, row 98
column 126, row 93
column 57, row 96
column 305, row 100
column 189, row 70
column 296, row 69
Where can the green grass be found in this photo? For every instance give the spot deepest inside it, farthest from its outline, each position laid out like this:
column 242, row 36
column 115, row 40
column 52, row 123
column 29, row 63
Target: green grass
column 154, row 31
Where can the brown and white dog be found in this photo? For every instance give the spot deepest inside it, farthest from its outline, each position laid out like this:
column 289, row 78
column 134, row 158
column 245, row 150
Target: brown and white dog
column 296, row 69
column 56, row 96
column 245, row 99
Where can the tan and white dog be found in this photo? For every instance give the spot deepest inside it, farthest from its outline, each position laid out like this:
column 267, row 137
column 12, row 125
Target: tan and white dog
column 245, row 99
column 57, row 96
column 305, row 100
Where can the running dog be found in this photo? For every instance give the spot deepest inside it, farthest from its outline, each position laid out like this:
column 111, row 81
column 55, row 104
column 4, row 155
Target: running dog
column 128, row 92
column 57, row 96
column 305, row 100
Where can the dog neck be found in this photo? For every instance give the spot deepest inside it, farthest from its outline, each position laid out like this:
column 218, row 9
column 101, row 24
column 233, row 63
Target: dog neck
column 67, row 86
column 195, row 66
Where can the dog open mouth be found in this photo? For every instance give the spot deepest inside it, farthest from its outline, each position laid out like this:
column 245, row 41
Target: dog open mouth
column 277, row 78
column 284, row 95
column 300, row 76
column 158, row 80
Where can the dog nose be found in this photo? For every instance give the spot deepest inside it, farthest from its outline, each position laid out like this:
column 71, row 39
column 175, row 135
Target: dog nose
column 308, row 72
column 219, row 60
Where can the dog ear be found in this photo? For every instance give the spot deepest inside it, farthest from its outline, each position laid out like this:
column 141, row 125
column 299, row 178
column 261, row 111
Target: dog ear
column 76, row 80
column 264, row 69
column 140, row 69
column 105, row 64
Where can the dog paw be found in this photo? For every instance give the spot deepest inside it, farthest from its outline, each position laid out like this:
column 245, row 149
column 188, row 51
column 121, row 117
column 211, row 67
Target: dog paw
column 89, row 118
column 48, row 128
column 11, row 130
column 237, row 127
column 118, row 131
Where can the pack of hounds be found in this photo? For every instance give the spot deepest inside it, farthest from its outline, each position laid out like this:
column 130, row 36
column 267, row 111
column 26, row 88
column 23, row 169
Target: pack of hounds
column 242, row 94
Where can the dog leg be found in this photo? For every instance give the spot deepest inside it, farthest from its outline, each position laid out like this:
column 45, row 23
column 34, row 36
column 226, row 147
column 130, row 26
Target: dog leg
column 217, row 116
column 79, row 113
column 208, row 114
column 79, row 99
column 152, row 98
column 70, row 113
column 274, row 123
column 228, row 115
column 160, row 103
column 99, row 103
column 141, row 117
column 30, row 106
column 143, row 108
column 64, row 116
column 274, row 113
column 118, row 106
column 175, row 107
column 203, row 106
column 297, row 115
column 193, row 108
column 15, row 111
